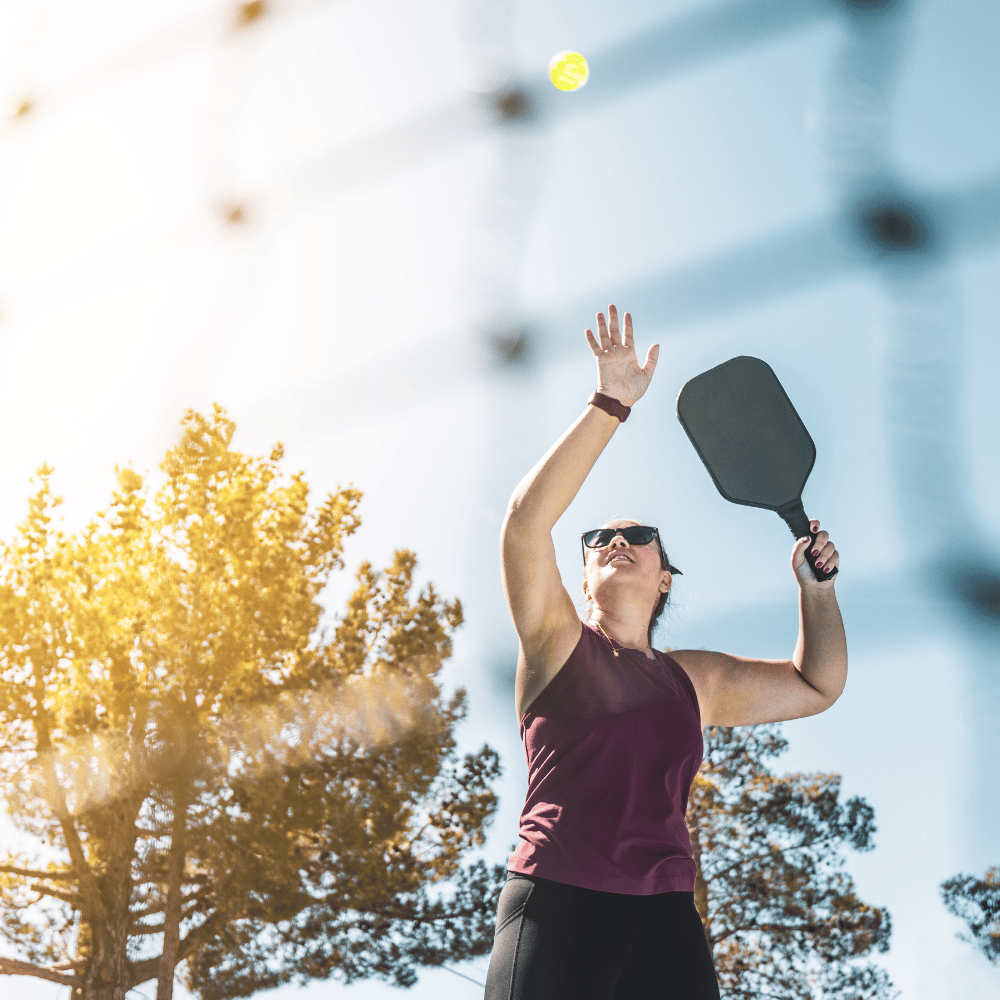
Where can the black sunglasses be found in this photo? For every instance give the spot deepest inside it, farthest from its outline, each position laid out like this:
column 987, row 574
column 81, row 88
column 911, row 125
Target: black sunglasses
column 634, row 534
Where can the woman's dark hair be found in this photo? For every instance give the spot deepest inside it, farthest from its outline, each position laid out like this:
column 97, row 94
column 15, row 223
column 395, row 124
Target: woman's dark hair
column 661, row 603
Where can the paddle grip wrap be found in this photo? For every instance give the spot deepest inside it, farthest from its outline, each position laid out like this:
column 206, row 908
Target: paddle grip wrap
column 794, row 516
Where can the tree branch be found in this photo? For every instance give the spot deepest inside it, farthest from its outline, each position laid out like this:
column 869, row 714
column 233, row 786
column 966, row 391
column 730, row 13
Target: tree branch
column 729, row 932
column 12, row 967
column 157, row 907
column 141, row 930
column 197, row 937
column 57, row 803
column 28, row 873
column 142, row 972
column 146, row 911
column 73, row 901
column 743, row 858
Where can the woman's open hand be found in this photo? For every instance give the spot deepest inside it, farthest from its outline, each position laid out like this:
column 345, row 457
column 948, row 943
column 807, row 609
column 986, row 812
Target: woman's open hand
column 828, row 556
column 618, row 373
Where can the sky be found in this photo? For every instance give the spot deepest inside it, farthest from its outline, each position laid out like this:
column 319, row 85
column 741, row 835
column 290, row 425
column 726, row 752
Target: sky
column 393, row 228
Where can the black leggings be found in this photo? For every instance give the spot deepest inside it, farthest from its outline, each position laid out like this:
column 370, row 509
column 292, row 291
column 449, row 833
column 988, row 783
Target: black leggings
column 560, row 942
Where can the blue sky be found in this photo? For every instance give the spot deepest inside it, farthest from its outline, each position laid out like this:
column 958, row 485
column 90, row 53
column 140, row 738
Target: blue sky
column 345, row 320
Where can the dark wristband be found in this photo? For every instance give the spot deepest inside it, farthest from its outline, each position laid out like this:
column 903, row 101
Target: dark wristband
column 609, row 405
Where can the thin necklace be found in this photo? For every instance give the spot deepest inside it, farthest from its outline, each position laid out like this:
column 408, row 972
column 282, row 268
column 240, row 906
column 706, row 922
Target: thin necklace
column 615, row 641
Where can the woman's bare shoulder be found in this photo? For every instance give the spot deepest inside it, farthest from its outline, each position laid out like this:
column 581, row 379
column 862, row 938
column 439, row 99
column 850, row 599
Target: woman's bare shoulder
column 699, row 665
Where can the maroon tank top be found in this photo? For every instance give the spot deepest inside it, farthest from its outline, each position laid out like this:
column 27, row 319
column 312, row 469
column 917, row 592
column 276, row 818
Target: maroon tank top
column 613, row 744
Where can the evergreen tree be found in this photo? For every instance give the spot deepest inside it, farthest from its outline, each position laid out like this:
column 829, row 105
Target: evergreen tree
column 781, row 917
column 977, row 902
column 211, row 781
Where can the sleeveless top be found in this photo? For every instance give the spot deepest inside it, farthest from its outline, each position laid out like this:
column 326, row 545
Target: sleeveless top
column 613, row 744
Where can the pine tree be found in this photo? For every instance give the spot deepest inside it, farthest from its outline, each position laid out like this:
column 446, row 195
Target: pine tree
column 781, row 917
column 977, row 902
column 213, row 783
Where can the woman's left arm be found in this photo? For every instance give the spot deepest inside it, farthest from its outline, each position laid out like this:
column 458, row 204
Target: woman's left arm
column 821, row 651
column 742, row 691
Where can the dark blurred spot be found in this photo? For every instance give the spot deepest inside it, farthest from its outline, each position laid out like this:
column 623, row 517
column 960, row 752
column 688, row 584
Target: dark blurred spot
column 894, row 225
column 249, row 12
column 24, row 108
column 510, row 346
column 513, row 105
column 235, row 213
column 979, row 589
column 894, row 228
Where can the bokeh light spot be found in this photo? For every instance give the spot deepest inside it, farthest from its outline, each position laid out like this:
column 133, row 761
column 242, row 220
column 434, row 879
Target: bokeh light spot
column 251, row 11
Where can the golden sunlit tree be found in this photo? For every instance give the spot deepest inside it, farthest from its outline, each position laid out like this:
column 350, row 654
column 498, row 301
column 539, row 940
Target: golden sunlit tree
column 977, row 902
column 781, row 915
column 207, row 779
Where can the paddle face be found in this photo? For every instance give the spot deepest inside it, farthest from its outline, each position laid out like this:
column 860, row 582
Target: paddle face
column 747, row 433
column 756, row 449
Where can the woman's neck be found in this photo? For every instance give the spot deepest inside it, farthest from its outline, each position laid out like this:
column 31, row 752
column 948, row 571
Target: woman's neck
column 619, row 634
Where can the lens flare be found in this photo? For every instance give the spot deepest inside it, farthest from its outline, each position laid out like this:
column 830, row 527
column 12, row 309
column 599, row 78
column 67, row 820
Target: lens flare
column 294, row 729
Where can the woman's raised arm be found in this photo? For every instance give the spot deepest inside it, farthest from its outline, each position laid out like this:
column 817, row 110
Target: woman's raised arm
column 538, row 602
column 542, row 497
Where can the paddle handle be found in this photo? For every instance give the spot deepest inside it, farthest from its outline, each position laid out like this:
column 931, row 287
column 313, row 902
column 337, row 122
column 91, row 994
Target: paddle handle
column 794, row 515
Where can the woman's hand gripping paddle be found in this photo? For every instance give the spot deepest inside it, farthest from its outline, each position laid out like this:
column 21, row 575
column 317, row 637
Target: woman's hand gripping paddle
column 756, row 449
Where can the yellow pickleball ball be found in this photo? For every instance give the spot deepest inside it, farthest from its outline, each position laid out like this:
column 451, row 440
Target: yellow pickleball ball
column 568, row 70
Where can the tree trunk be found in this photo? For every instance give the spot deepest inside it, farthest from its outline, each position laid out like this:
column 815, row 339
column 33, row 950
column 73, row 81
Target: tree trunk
column 109, row 980
column 172, row 909
column 103, row 941
column 84, row 952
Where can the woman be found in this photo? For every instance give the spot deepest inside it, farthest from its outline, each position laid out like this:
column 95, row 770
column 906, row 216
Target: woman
column 599, row 898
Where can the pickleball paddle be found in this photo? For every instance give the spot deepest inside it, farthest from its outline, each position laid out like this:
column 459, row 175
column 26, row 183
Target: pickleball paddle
column 753, row 443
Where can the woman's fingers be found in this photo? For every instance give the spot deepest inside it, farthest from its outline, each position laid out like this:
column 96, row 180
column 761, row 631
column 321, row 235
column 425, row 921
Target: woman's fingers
column 608, row 330
column 613, row 326
column 819, row 541
column 827, row 555
column 652, row 356
column 602, row 331
column 610, row 334
column 828, row 559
